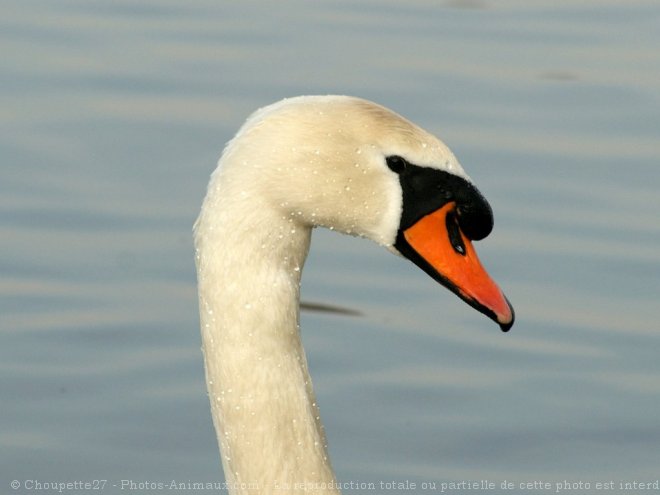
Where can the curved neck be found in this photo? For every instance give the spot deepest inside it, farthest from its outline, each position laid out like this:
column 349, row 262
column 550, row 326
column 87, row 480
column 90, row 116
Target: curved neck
column 249, row 263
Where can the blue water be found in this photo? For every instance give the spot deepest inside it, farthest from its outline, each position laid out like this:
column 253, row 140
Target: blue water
column 112, row 115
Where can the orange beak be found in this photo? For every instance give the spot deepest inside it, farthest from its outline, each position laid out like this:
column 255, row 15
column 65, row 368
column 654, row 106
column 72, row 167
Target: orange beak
column 449, row 257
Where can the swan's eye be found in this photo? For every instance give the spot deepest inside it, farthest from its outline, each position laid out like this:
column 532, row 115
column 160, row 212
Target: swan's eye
column 396, row 163
column 454, row 232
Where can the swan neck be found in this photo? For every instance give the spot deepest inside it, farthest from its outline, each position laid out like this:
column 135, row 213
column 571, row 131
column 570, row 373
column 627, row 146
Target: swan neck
column 262, row 401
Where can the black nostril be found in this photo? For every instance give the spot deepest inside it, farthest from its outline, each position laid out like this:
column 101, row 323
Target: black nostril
column 454, row 232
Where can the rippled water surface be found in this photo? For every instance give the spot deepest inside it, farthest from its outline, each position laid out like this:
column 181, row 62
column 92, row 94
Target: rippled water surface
column 112, row 115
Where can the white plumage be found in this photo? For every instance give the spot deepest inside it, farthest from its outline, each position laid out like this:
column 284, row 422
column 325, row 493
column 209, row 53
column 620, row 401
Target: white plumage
column 297, row 164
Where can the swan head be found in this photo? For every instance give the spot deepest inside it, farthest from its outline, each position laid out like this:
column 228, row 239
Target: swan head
column 356, row 167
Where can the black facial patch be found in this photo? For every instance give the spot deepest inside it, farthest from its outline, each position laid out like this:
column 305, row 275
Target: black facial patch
column 427, row 189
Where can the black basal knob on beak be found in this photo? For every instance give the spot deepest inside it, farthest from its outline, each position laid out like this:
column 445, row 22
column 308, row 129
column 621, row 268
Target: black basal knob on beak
column 475, row 216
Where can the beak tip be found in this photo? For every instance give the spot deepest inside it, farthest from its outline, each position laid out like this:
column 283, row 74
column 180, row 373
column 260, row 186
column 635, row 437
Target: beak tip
column 506, row 325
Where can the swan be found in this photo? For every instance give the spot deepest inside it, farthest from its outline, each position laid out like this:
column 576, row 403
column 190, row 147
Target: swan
column 338, row 162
